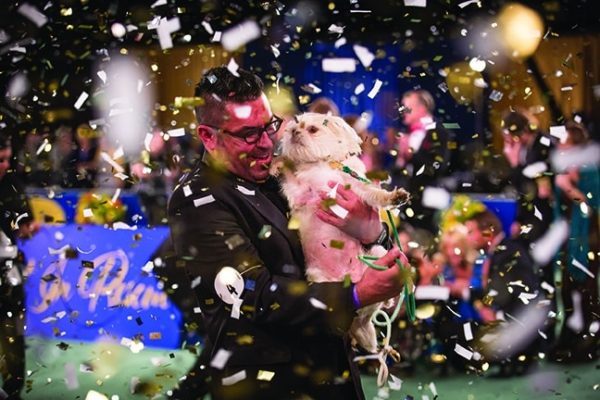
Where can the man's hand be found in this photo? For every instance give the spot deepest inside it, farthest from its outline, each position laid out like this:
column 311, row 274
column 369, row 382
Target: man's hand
column 511, row 149
column 376, row 286
column 362, row 221
column 28, row 229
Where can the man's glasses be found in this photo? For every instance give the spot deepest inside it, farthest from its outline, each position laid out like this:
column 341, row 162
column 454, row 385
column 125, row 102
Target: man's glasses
column 253, row 134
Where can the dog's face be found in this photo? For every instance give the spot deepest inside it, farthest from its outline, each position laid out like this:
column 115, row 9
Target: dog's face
column 314, row 137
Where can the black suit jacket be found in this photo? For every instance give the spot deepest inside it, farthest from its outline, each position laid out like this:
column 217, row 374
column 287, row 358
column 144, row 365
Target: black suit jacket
column 217, row 220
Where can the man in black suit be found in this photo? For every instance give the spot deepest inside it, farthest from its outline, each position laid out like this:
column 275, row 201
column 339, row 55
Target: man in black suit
column 270, row 334
column 424, row 156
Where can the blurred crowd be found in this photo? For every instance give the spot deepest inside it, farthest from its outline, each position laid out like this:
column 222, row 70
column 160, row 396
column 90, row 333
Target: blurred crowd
column 487, row 294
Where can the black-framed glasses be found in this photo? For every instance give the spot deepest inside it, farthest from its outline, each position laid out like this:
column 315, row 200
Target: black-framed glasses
column 253, row 134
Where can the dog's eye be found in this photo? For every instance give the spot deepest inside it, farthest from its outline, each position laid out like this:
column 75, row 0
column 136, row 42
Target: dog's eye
column 313, row 129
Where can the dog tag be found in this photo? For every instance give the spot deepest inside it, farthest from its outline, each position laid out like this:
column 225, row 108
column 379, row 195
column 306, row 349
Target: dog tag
column 229, row 285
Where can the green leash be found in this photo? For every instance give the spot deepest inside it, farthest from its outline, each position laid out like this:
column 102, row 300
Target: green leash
column 408, row 283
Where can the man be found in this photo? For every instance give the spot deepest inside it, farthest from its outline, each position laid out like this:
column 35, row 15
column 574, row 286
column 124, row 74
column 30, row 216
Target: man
column 270, row 334
column 505, row 292
column 424, row 155
column 15, row 221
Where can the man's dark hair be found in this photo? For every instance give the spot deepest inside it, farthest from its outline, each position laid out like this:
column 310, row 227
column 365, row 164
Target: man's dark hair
column 516, row 123
column 219, row 85
column 4, row 141
column 487, row 221
column 577, row 132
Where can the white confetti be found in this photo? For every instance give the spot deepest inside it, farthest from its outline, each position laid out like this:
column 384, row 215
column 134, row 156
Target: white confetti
column 239, row 35
column 432, row 292
column 93, row 395
column 421, row 170
column 467, row 331
column 233, row 67
column 395, row 383
column 461, row 351
column 242, row 112
column 434, row 197
column 559, row 132
column 33, row 14
column 187, row 191
column 235, row 378
column 148, row 267
column 122, row 225
column 220, row 359
column 495, row 95
column 318, row 303
column 106, row 157
column 196, row 282
column 340, row 42
column 207, row 27
column 359, row 88
column 546, row 247
column 88, row 213
column 333, row 28
column 535, row 170
column 312, row 88
column 545, row 141
column 466, row 3
column 526, row 297
column 246, row 191
column 375, row 89
column 158, row 3
column 582, row 267
column 204, row 200
column 547, row 287
column 275, row 51
column 364, row 55
column 537, row 213
column 80, row 100
column 164, row 29
column 178, row 132
column 216, row 37
column 338, row 65
column 415, row 3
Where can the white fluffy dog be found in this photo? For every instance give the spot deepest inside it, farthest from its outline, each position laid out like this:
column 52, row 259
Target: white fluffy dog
column 314, row 147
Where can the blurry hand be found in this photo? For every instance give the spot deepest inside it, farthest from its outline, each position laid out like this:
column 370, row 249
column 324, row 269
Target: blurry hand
column 362, row 221
column 375, row 285
column 511, row 149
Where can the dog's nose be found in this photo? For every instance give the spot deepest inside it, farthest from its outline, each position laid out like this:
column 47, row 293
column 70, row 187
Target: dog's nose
column 296, row 132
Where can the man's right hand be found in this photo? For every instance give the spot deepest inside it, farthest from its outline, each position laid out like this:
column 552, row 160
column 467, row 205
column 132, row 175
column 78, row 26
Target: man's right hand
column 375, row 285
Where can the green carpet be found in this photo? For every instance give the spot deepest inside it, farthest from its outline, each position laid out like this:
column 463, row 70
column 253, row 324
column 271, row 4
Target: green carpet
column 69, row 370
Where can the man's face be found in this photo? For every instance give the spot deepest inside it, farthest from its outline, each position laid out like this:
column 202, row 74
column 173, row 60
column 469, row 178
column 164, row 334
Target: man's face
column 248, row 161
column 475, row 236
column 5, row 155
column 415, row 110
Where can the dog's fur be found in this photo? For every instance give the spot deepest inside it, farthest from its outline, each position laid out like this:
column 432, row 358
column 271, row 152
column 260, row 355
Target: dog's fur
column 310, row 143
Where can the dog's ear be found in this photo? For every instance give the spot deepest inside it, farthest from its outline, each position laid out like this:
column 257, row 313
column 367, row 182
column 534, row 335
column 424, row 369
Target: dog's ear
column 353, row 139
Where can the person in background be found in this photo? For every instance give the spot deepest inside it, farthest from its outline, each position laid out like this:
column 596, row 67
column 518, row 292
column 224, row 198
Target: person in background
column 324, row 105
column 509, row 289
column 577, row 196
column 16, row 221
column 270, row 334
column 423, row 156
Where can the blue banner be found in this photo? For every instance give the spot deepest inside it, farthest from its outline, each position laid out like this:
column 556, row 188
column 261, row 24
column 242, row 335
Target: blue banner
column 89, row 282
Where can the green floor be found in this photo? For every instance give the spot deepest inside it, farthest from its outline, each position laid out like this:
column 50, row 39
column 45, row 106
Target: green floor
column 69, row 370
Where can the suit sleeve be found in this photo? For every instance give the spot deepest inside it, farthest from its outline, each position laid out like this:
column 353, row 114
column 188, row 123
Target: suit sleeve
column 432, row 161
column 211, row 236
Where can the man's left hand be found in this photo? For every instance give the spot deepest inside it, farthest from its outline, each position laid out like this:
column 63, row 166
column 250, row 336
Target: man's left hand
column 362, row 221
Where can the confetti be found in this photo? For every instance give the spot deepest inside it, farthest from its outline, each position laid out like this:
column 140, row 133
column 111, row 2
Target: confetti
column 317, row 303
column 432, row 292
column 82, row 98
column 265, row 375
column 239, row 35
column 187, row 192
column 359, row 88
column 375, row 89
column 165, row 28
column 581, row 267
column 333, row 28
column 461, row 351
column 434, row 197
column 546, row 247
column 93, row 395
column 415, row 3
column 179, row 132
column 535, row 170
column 265, row 232
column 220, row 359
column 204, row 200
column 468, row 2
column 246, row 191
column 559, row 132
column 495, row 95
column 235, row 378
column 234, row 241
column 467, row 331
column 33, row 14
column 364, row 55
column 233, row 67
column 342, row 41
column 395, row 383
column 207, row 27
column 338, row 65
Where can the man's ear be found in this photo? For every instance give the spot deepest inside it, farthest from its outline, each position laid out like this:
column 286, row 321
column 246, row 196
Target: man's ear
column 208, row 137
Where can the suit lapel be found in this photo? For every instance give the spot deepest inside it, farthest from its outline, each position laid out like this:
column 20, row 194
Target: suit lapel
column 265, row 207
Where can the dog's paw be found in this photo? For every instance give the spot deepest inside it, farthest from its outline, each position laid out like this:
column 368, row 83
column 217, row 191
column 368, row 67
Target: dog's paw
column 401, row 196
